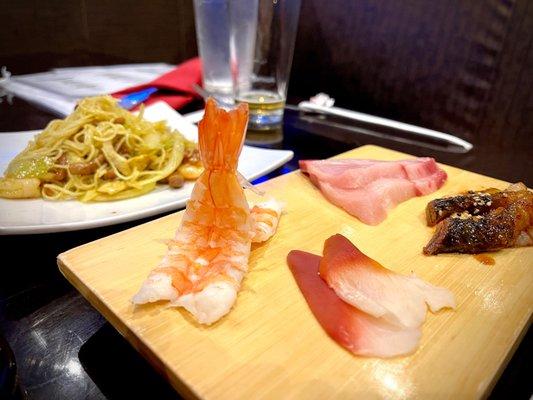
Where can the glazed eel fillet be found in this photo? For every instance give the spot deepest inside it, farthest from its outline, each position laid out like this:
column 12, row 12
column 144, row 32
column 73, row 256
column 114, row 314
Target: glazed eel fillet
column 475, row 222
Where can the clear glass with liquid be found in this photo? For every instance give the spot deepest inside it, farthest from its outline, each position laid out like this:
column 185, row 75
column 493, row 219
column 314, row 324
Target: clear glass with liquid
column 212, row 33
column 261, row 76
column 225, row 28
column 266, row 108
column 246, row 47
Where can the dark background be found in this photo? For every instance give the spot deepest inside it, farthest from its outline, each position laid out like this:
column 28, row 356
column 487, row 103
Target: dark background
column 460, row 66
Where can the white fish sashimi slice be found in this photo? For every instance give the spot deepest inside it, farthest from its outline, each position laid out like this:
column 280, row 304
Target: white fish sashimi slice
column 436, row 297
column 370, row 287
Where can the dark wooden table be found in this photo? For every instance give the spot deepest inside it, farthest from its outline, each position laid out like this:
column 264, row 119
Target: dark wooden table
column 64, row 348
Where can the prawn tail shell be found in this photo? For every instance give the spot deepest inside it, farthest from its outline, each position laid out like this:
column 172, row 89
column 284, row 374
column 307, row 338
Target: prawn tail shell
column 221, row 135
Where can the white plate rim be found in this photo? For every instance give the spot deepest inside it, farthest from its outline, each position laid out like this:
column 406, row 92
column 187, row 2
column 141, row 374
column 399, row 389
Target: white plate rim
column 283, row 157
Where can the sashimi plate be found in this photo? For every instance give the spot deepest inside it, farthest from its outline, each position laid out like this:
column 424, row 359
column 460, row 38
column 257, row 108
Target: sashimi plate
column 43, row 216
column 270, row 346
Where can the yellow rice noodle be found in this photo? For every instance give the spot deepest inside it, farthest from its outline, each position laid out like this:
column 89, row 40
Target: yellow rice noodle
column 100, row 152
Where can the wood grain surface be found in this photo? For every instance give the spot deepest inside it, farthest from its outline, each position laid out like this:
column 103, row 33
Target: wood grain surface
column 271, row 346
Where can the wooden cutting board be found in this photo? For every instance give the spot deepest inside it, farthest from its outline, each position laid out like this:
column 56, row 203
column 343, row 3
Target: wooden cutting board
column 271, row 346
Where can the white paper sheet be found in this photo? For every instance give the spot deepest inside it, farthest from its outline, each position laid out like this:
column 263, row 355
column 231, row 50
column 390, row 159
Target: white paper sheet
column 58, row 90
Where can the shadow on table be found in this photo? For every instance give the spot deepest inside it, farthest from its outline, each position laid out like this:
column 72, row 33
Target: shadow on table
column 516, row 381
column 119, row 371
column 33, row 279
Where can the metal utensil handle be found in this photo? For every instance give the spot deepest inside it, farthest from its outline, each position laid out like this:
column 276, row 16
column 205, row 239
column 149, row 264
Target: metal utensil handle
column 354, row 115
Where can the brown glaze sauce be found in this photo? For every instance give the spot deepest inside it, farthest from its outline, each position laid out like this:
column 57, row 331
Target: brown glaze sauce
column 485, row 259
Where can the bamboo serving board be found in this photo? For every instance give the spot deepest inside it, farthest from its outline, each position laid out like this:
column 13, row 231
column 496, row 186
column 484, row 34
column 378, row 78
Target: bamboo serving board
column 271, row 346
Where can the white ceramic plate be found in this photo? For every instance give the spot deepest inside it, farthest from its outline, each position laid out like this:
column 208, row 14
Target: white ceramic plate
column 42, row 216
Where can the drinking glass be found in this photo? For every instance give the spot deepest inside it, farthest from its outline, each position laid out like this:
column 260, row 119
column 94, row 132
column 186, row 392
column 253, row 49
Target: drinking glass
column 262, row 59
column 224, row 28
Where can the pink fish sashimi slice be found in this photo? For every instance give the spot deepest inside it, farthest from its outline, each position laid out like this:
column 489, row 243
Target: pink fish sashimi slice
column 327, row 168
column 430, row 183
column 372, row 288
column 367, row 189
column 371, row 203
column 354, row 173
column 353, row 329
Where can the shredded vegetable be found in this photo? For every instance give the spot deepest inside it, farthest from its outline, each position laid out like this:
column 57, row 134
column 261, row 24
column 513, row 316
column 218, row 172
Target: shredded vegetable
column 100, row 152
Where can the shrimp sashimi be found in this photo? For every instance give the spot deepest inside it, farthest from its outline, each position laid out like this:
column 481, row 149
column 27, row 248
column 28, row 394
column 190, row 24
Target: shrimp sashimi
column 364, row 283
column 206, row 261
column 265, row 218
column 355, row 330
